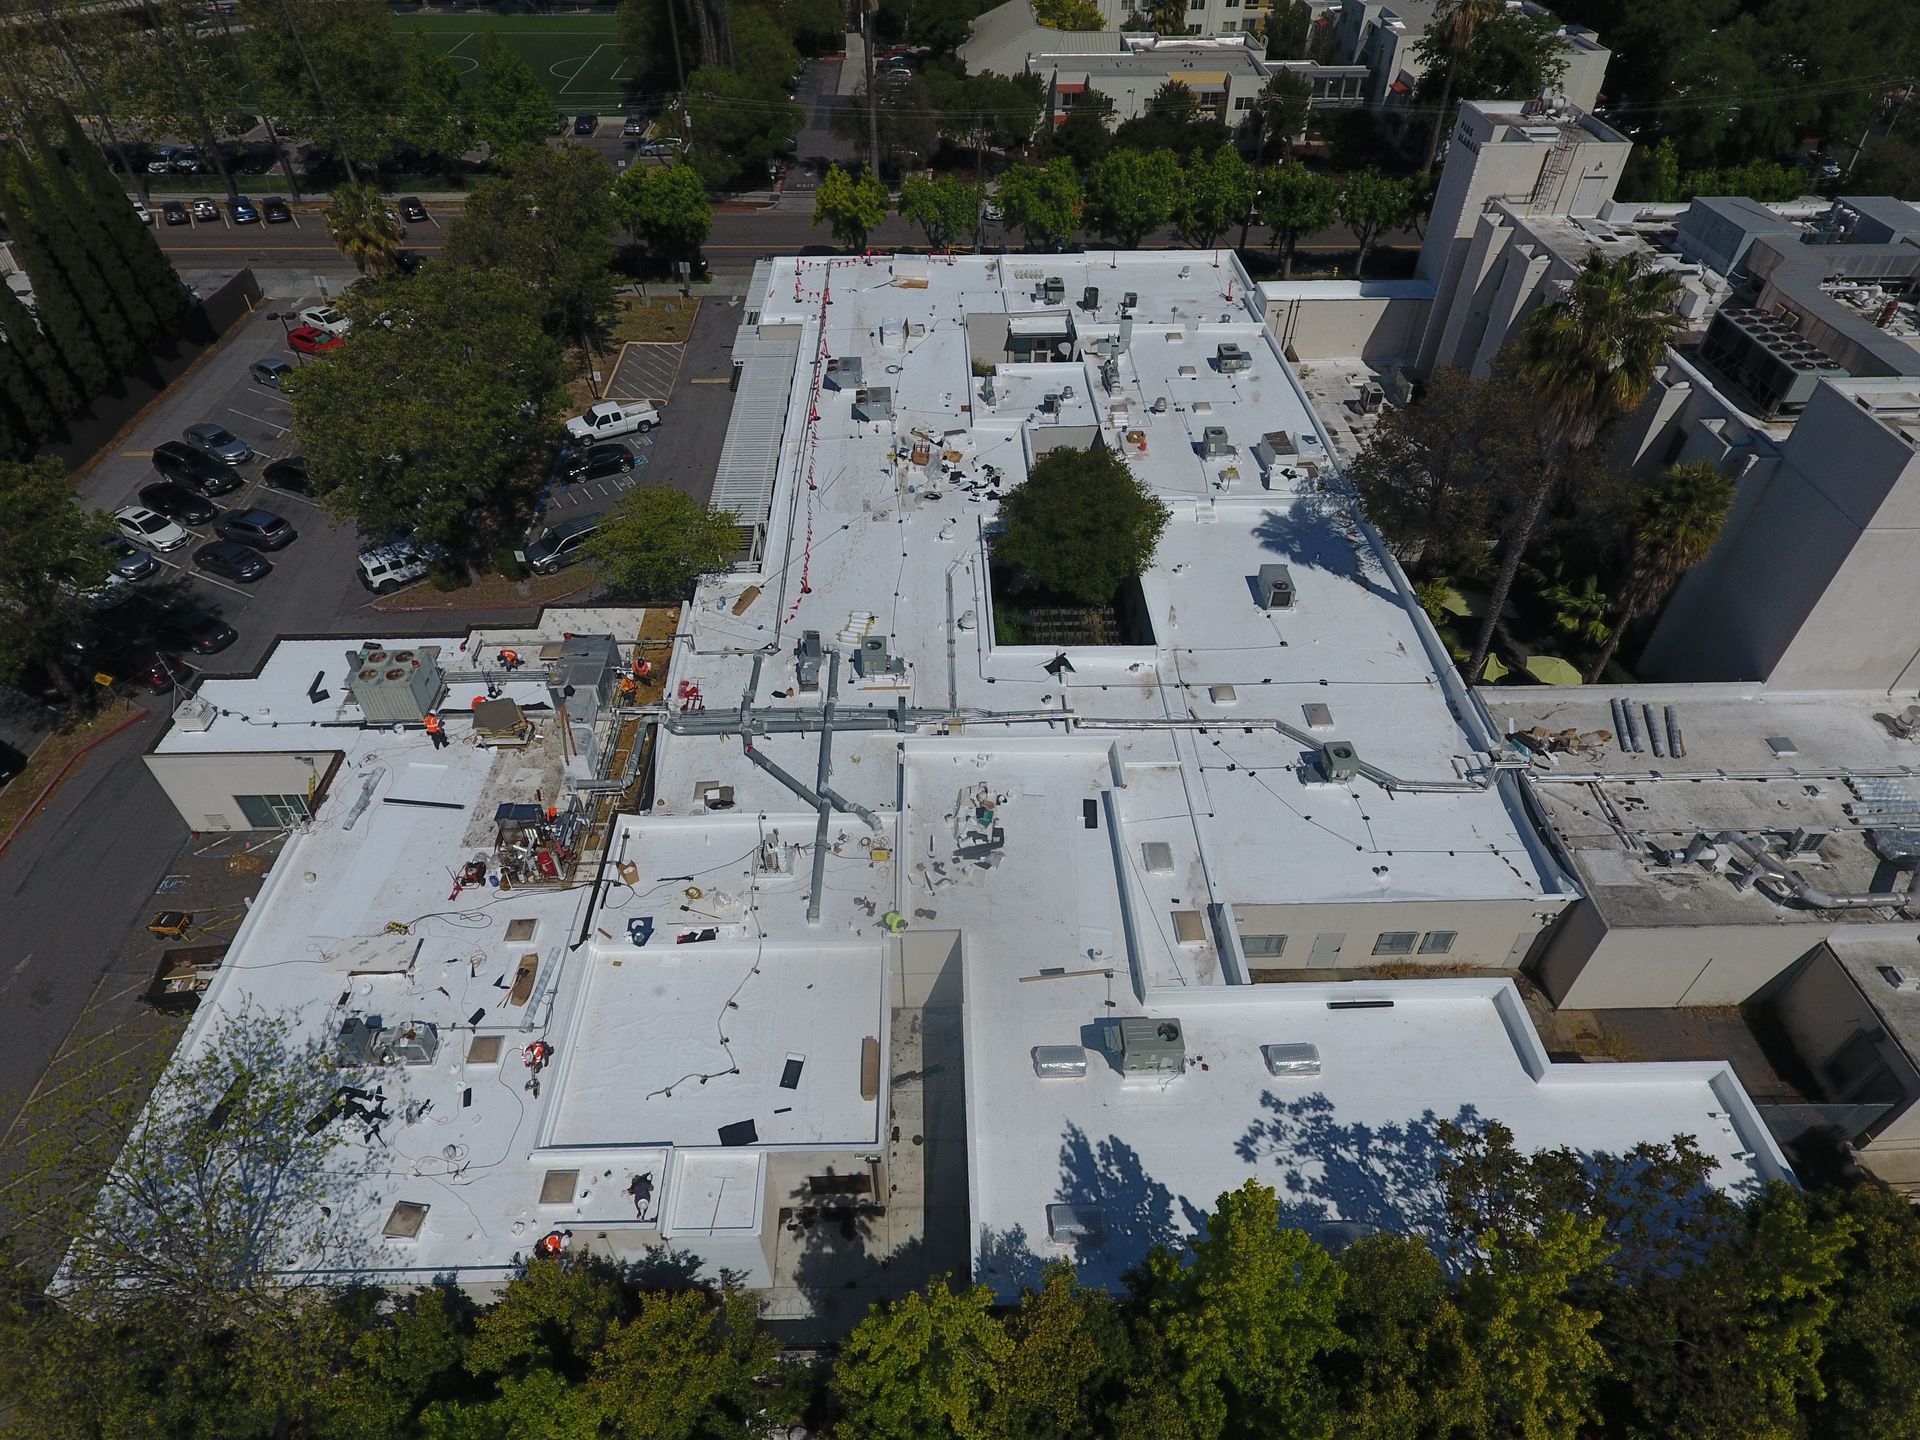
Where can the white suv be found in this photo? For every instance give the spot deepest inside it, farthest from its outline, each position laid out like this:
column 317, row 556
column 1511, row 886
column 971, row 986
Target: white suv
column 387, row 567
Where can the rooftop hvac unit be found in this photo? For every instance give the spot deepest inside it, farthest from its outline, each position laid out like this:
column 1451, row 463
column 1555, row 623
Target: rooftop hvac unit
column 1339, row 761
column 873, row 403
column 395, row 687
column 353, row 1043
column 873, row 658
column 1371, row 397
column 193, row 713
column 806, row 662
column 1068, row 1223
column 1060, row 1062
column 1090, row 298
column 1131, row 300
column 1276, row 587
column 1232, row 358
column 1146, row 1046
column 1213, row 441
column 1050, row 403
column 415, row 1043
column 1110, row 374
column 1054, row 291
column 1295, row 1061
column 845, row 371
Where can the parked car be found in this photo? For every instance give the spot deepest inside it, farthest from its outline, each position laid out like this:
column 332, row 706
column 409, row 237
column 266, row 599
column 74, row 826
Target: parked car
column 12, row 762
column 149, row 528
column 109, row 593
column 152, row 667
column 186, row 160
column 202, row 634
column 595, row 462
column 193, row 468
column 312, row 340
column 241, row 212
column 411, row 209
column 232, row 561
column 275, row 210
column 220, row 442
column 175, row 213
column 162, row 161
column 126, row 561
column 288, row 474
column 262, row 529
column 408, row 261
column 385, row 568
column 269, row 372
column 659, row 149
column 611, row 417
column 203, row 208
column 560, row 545
column 585, row 124
column 175, row 501
column 325, row 317
column 146, row 215
column 635, row 127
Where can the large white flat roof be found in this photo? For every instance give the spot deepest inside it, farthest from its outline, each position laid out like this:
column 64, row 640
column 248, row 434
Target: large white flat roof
column 1141, row 1161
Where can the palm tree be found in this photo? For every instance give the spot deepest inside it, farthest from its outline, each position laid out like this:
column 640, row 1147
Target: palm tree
column 363, row 227
column 1588, row 357
column 1676, row 521
column 1455, row 25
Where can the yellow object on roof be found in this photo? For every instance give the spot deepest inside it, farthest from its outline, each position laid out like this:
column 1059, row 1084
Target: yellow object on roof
column 1193, row 80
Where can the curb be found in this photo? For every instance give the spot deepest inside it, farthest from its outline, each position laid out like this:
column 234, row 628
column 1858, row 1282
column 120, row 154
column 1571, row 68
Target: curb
column 32, row 811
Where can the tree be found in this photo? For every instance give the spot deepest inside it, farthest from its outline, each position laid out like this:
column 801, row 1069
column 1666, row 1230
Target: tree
column 49, row 554
column 1406, row 1368
column 1249, row 1320
column 1289, row 24
column 86, row 227
column 42, row 363
column 1166, row 17
column 548, row 220
column 1888, row 166
column 1508, row 56
column 139, row 252
column 1676, row 521
column 988, row 110
column 1042, row 202
column 363, row 227
column 327, row 69
column 667, row 209
column 1083, row 137
column 62, row 312
column 1068, row 14
column 945, row 209
column 1130, row 195
column 851, row 208
column 441, row 424
column 52, row 236
column 1870, row 1367
column 907, row 123
column 437, row 113
column 1588, row 357
column 1280, row 112
column 683, row 1367
column 1764, row 180
column 739, row 126
column 926, row 1366
column 1296, row 202
column 1372, row 203
column 1081, row 524
column 1447, row 38
column 660, row 540
column 222, row 1193
column 660, row 50
column 512, row 110
column 1218, row 194
column 1067, row 1365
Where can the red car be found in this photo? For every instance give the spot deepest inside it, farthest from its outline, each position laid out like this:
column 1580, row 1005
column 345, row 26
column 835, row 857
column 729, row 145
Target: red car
column 312, row 340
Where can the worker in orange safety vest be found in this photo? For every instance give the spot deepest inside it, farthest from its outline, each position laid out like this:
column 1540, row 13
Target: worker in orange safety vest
column 432, row 722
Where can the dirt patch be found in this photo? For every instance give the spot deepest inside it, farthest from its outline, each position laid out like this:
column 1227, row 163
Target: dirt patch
column 490, row 592
column 662, row 318
column 52, row 756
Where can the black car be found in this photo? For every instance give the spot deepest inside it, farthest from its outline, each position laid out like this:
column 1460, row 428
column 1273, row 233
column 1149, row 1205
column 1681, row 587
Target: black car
column 274, row 210
column 202, row 634
column 262, row 529
column 411, row 210
column 585, row 124
column 194, row 468
column 408, row 261
column 177, row 502
column 288, row 474
column 174, row 212
column 232, row 561
column 12, row 762
column 595, row 462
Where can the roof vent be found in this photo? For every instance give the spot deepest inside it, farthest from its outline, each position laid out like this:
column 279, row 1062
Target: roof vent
column 1899, row 977
column 1060, row 1062
column 1292, row 1061
column 1157, row 857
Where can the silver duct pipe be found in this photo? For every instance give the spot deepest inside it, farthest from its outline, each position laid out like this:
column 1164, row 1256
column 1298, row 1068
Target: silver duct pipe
column 1809, row 894
column 1654, row 737
column 1385, row 779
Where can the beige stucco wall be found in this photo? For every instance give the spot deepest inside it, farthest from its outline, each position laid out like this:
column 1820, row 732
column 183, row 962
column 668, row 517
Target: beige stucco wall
column 1491, row 934
column 1588, row 964
column 1372, row 327
column 202, row 786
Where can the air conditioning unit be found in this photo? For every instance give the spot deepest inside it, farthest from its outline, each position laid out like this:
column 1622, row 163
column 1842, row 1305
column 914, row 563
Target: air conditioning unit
column 1276, row 587
column 873, row 658
column 1232, row 358
column 1145, row 1046
column 1339, row 761
column 1214, row 442
column 1090, row 298
column 1054, row 291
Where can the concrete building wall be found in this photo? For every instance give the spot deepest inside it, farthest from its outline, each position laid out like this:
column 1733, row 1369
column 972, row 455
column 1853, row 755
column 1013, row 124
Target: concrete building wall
column 1588, row 964
column 1380, row 326
column 1487, row 934
column 204, row 788
column 1814, row 582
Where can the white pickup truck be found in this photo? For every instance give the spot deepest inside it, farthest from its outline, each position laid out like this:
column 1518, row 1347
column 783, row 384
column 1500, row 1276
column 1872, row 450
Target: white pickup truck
column 610, row 418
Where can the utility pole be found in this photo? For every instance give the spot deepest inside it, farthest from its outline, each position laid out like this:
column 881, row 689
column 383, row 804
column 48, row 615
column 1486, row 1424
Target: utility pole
column 680, row 78
column 873, row 100
column 320, row 94
column 246, row 78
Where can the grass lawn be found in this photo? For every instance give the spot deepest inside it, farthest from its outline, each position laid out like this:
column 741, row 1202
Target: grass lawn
column 669, row 320
column 52, row 753
column 577, row 57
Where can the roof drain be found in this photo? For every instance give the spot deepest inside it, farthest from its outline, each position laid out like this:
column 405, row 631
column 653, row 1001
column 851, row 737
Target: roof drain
column 1804, row 890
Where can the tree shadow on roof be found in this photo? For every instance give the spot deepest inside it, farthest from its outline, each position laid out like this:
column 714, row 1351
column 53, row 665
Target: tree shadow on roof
column 1320, row 533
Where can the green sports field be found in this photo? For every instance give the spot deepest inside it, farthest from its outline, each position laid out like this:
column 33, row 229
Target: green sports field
column 577, row 56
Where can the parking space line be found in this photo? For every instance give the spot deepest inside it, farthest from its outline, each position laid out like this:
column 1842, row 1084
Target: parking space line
column 136, row 454
column 261, row 419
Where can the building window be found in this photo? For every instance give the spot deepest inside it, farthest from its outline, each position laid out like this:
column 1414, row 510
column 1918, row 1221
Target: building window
column 1196, row 4
column 1193, row 29
column 1438, row 942
column 1263, row 946
column 1227, row 27
column 272, row 812
column 1244, row 102
column 1233, row 4
column 1395, row 942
